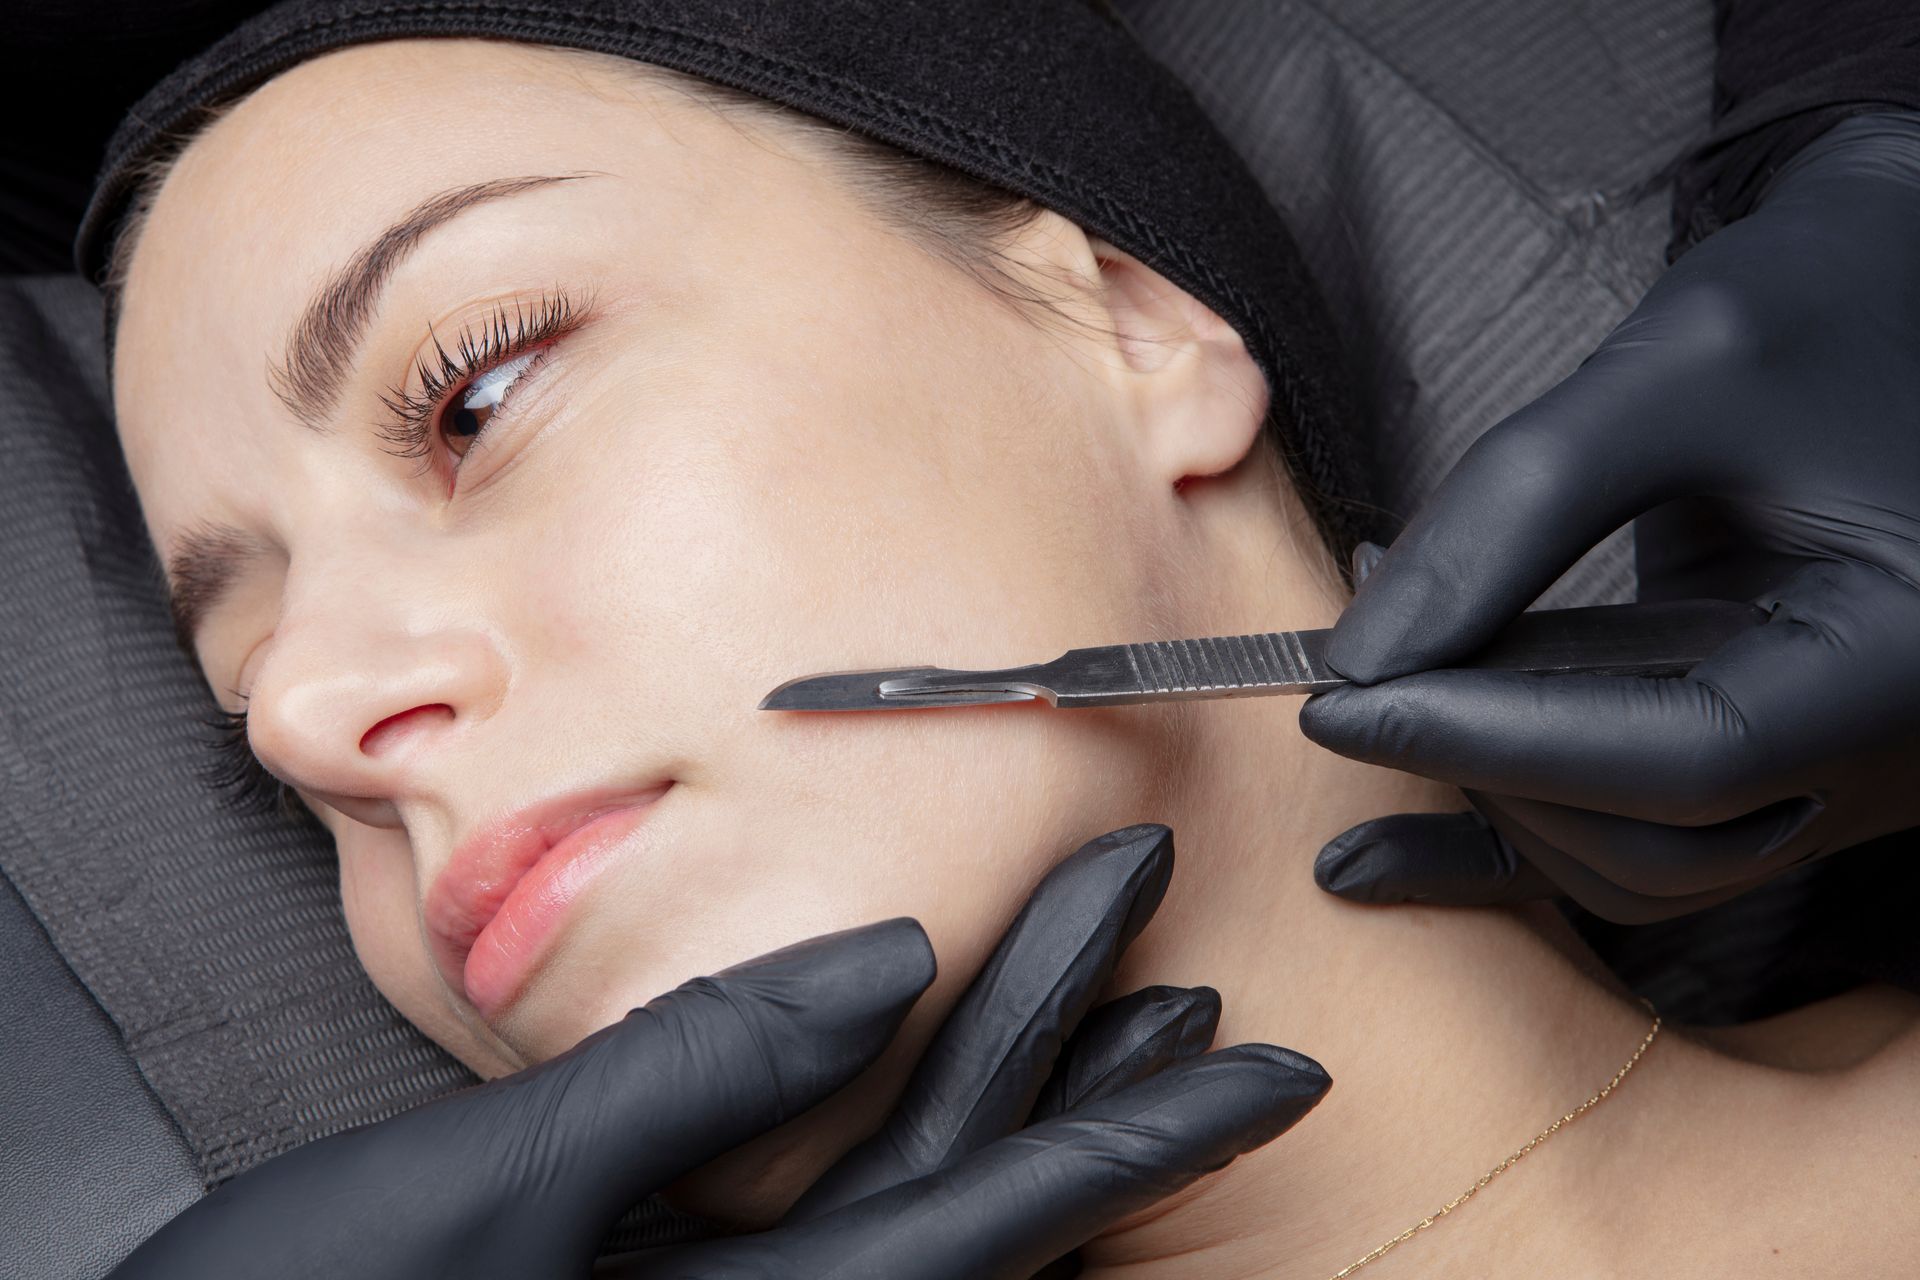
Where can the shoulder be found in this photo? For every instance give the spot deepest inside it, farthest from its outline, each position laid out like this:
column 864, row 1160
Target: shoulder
column 1827, row 1178
column 1789, row 1147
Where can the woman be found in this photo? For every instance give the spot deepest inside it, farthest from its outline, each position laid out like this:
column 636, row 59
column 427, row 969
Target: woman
column 673, row 402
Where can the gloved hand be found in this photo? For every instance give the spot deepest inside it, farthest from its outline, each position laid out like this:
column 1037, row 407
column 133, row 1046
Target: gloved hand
column 524, row 1175
column 1759, row 411
column 1131, row 1111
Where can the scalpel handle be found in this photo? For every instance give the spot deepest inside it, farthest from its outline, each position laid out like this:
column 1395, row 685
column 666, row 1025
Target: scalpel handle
column 1665, row 639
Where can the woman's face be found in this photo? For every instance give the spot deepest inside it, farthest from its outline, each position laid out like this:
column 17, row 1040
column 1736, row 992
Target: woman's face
column 761, row 434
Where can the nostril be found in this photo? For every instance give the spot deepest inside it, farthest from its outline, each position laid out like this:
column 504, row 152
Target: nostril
column 395, row 730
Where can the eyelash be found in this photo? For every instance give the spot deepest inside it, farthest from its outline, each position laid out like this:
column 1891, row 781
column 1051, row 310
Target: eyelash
column 445, row 375
column 235, row 772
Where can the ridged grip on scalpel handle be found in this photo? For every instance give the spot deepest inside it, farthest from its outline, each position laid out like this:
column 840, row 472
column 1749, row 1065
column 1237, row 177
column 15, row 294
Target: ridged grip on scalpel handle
column 1214, row 666
column 1661, row 639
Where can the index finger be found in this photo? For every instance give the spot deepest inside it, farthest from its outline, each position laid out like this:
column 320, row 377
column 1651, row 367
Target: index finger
column 981, row 1074
column 1526, row 500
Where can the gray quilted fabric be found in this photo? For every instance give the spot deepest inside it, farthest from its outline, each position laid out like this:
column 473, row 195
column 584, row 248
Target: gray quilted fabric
column 217, row 944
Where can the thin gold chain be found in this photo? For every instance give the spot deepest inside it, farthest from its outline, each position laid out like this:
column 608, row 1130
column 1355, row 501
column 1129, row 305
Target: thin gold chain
column 1511, row 1160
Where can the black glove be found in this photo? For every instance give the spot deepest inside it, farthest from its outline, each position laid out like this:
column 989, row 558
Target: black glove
column 1761, row 407
column 1131, row 1111
column 523, row 1176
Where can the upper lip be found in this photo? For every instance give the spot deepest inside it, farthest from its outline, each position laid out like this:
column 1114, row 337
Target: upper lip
column 491, row 859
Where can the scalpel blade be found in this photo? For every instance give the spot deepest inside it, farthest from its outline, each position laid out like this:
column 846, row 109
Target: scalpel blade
column 860, row 691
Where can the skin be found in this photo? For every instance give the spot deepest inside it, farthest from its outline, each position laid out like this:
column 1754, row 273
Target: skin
column 791, row 439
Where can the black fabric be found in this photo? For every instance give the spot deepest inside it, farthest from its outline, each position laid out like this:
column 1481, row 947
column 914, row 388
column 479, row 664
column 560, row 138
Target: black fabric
column 93, row 1163
column 1049, row 98
column 73, row 69
column 1788, row 71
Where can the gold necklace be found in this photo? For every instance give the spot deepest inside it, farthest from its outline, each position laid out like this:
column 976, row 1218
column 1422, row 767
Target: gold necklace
column 1511, row 1160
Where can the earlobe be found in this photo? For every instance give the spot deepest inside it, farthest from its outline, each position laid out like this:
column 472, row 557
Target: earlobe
column 1200, row 397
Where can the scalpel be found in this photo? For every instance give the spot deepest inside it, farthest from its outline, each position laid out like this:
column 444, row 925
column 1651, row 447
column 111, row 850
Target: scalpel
column 1665, row 639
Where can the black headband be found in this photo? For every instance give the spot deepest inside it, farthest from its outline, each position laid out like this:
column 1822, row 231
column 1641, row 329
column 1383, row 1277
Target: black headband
column 1051, row 99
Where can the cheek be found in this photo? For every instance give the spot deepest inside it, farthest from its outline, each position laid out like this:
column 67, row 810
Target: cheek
column 730, row 523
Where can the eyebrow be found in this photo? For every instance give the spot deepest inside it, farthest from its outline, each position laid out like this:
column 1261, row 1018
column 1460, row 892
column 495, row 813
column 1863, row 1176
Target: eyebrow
column 325, row 342
column 204, row 565
column 321, row 350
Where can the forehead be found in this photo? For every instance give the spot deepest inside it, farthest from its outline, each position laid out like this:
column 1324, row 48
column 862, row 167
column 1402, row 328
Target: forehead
column 291, row 180
column 286, row 187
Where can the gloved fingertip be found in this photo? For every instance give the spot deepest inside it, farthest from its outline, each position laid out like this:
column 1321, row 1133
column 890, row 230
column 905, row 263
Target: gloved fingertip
column 887, row 963
column 1288, row 1085
column 1142, row 840
column 1366, row 555
column 1147, row 846
column 1439, row 859
column 1337, row 719
column 1199, row 1020
column 902, row 944
column 1221, row 1103
column 1150, row 1009
column 1344, row 868
column 1130, row 868
column 1389, row 627
column 1155, row 842
column 1299, row 1075
column 1181, row 1019
column 1127, row 1040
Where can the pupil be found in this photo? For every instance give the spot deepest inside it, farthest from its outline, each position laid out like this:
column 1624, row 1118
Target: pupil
column 467, row 422
column 467, row 418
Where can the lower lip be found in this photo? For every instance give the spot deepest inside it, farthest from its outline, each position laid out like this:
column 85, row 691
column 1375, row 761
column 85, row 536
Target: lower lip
column 507, row 949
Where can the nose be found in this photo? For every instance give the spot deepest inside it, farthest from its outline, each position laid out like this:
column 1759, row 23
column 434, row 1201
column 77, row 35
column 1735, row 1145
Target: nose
column 361, row 702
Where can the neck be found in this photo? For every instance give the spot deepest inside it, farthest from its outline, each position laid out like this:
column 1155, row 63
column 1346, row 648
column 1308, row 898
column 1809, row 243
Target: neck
column 1453, row 1036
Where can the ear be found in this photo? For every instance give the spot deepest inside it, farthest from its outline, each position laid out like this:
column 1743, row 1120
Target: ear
column 1200, row 399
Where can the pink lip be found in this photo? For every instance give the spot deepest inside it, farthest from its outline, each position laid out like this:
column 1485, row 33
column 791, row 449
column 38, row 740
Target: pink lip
column 493, row 907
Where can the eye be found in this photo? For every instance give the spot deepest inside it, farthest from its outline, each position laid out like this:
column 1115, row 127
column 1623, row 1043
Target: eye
column 474, row 408
column 463, row 390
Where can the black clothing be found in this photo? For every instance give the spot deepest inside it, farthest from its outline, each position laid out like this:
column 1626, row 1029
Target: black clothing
column 1788, row 71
